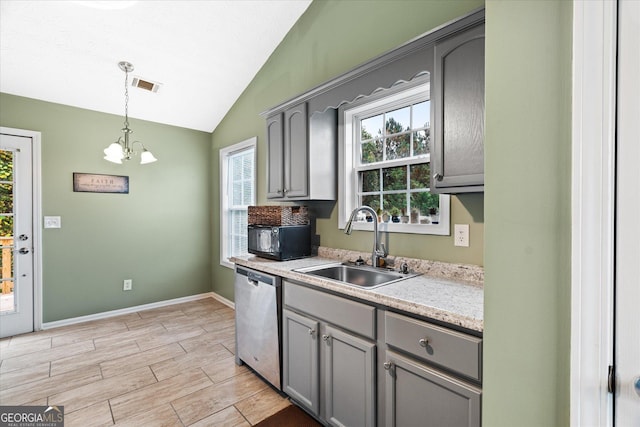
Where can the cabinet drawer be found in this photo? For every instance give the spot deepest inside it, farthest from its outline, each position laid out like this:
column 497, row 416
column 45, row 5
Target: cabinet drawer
column 459, row 352
column 347, row 314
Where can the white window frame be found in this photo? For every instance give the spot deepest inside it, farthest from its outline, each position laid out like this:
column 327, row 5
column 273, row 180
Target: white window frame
column 348, row 171
column 225, row 154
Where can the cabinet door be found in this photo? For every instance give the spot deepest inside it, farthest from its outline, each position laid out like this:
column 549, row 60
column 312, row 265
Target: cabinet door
column 349, row 379
column 417, row 395
column 296, row 172
column 300, row 359
column 275, row 157
column 458, row 152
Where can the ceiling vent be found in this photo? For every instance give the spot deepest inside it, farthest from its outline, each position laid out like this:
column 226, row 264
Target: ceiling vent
column 146, row 84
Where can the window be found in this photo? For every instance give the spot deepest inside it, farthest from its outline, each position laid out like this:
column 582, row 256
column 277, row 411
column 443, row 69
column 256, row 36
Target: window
column 237, row 192
column 385, row 162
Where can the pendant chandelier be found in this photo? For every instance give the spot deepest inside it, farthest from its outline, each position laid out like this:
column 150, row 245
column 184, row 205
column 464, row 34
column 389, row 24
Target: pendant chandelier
column 122, row 149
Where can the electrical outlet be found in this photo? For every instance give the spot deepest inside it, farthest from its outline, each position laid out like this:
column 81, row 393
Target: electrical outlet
column 128, row 284
column 461, row 235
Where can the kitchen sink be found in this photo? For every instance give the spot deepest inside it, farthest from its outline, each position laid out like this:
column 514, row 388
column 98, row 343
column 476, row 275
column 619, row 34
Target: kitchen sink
column 356, row 275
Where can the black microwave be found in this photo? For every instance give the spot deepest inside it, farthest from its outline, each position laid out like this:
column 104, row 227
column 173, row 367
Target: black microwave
column 280, row 242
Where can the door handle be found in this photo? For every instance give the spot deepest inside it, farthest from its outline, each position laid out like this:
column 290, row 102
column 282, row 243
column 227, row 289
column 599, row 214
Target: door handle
column 23, row 251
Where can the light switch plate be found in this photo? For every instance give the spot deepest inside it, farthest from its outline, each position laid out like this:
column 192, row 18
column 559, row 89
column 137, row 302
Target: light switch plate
column 52, row 222
column 461, row 235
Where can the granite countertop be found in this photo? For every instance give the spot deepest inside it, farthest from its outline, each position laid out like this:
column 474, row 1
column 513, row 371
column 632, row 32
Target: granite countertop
column 455, row 301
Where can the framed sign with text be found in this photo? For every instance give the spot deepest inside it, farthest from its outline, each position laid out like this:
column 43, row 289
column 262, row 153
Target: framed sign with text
column 98, row 183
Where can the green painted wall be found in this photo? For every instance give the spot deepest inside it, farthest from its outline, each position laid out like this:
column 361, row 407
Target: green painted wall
column 156, row 235
column 527, row 213
column 329, row 39
column 526, row 250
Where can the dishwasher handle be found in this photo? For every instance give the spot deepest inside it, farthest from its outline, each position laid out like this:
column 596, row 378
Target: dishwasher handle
column 254, row 277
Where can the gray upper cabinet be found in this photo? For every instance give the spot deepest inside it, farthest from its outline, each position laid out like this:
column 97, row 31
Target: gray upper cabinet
column 457, row 154
column 302, row 162
column 275, row 156
column 301, row 154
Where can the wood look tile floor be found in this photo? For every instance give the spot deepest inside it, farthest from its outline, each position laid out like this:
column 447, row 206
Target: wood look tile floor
column 170, row 366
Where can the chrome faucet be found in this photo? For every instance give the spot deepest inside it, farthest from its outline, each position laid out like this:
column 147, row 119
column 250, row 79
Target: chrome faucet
column 379, row 251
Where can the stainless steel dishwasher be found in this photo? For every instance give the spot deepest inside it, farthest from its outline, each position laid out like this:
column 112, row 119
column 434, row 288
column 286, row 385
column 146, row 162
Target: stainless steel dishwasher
column 258, row 299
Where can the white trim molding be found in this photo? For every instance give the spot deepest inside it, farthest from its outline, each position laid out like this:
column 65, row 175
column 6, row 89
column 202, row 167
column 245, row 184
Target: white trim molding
column 134, row 309
column 593, row 180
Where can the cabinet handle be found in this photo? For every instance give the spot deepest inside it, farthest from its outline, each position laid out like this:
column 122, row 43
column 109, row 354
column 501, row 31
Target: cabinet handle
column 325, row 337
column 312, row 331
column 437, row 176
column 387, row 365
column 424, row 342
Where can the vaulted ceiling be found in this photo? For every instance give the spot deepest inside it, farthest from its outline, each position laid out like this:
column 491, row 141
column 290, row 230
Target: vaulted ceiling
column 203, row 54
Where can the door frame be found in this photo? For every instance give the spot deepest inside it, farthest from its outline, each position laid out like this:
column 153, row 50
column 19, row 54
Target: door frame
column 592, row 222
column 36, row 171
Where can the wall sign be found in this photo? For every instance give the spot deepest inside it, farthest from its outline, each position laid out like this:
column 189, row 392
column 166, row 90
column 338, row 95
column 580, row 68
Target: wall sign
column 98, row 183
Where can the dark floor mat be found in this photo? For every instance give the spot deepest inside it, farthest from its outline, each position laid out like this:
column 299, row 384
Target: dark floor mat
column 291, row 416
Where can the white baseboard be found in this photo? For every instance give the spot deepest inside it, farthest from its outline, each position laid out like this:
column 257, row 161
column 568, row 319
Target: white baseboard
column 223, row 300
column 128, row 310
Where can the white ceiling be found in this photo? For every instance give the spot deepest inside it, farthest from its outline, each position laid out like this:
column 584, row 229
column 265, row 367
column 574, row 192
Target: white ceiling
column 204, row 53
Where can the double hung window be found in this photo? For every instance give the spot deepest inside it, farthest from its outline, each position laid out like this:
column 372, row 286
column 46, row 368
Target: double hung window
column 386, row 163
column 237, row 192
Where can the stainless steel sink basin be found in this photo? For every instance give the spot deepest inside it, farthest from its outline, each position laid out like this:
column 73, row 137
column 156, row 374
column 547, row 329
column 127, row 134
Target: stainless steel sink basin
column 362, row 276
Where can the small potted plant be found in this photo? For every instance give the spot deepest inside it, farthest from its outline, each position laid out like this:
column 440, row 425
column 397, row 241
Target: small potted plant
column 435, row 215
column 404, row 218
column 385, row 216
column 395, row 214
column 415, row 215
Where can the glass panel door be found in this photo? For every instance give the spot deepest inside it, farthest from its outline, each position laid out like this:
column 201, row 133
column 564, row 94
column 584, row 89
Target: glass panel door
column 7, row 185
column 16, row 235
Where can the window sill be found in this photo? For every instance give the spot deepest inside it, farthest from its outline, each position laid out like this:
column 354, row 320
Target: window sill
column 227, row 264
column 392, row 227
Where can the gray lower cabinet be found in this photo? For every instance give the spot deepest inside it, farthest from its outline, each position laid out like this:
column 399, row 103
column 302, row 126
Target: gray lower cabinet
column 457, row 86
column 419, row 395
column 349, row 391
column 432, row 374
column 327, row 369
column 300, row 360
column 351, row 364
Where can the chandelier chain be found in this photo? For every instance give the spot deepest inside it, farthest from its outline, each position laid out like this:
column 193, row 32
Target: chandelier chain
column 126, row 99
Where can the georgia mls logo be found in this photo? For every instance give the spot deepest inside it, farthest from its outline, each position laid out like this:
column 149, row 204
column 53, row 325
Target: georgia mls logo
column 31, row 416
